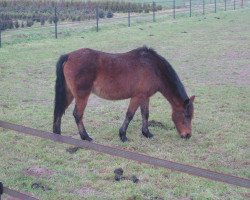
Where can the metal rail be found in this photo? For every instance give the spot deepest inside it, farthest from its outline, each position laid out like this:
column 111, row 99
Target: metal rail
column 142, row 158
column 17, row 194
column 14, row 193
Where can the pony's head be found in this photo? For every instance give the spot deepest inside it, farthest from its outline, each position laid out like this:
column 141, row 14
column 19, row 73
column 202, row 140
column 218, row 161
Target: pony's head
column 182, row 118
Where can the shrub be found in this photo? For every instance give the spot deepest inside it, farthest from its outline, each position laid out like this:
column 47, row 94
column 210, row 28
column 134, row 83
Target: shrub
column 159, row 7
column 16, row 24
column 29, row 23
column 101, row 13
column 50, row 20
column 110, row 14
column 42, row 21
column 55, row 19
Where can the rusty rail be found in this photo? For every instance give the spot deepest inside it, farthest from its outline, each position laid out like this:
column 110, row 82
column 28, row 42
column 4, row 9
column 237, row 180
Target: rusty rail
column 14, row 193
column 142, row 158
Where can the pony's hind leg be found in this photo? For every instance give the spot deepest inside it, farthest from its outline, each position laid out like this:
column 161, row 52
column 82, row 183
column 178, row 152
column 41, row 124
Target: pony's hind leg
column 133, row 105
column 145, row 116
column 78, row 114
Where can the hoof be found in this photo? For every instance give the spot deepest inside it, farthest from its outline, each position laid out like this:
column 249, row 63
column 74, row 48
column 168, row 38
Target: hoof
column 147, row 134
column 57, row 131
column 86, row 137
column 123, row 138
column 89, row 139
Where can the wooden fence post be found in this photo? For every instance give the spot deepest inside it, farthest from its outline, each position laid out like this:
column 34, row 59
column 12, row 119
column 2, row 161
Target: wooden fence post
column 203, row 7
column 153, row 11
column 55, row 21
column 97, row 18
column 174, row 9
column 0, row 36
column 129, row 10
column 190, row 8
column 215, row 6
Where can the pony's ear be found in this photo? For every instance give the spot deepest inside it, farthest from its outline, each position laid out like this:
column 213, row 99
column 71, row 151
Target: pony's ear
column 192, row 98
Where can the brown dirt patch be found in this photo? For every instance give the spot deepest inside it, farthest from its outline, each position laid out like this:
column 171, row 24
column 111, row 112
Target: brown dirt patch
column 87, row 191
column 38, row 171
column 236, row 55
column 244, row 76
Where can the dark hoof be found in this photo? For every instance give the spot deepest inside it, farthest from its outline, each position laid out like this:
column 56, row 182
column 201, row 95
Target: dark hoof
column 147, row 134
column 123, row 138
column 89, row 139
column 57, row 132
column 86, row 137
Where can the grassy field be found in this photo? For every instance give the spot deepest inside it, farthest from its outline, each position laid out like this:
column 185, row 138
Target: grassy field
column 211, row 56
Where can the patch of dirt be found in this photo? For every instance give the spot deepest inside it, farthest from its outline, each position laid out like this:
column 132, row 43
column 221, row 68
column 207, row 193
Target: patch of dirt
column 236, row 55
column 244, row 76
column 38, row 171
column 87, row 191
column 241, row 74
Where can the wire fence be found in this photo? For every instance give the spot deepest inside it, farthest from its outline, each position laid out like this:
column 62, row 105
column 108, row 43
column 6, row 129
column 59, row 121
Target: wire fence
column 149, row 12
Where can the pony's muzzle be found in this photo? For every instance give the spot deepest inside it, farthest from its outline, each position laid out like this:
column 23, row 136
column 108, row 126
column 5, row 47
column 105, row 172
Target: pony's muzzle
column 186, row 135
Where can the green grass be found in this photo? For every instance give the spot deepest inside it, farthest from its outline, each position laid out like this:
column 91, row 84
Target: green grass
column 211, row 56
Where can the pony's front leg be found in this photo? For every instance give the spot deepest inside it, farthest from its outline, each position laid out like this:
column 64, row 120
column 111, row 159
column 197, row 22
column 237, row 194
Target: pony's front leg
column 133, row 105
column 78, row 114
column 145, row 116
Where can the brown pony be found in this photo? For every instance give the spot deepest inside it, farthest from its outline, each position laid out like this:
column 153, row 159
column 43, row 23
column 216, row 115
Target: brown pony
column 137, row 74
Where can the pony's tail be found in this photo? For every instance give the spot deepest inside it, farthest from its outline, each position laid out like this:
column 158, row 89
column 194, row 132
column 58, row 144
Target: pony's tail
column 60, row 94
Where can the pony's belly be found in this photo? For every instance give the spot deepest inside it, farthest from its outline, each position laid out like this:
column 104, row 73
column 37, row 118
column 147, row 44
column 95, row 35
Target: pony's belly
column 111, row 92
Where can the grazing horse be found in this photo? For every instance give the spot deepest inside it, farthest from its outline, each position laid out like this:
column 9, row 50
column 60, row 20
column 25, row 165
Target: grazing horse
column 137, row 74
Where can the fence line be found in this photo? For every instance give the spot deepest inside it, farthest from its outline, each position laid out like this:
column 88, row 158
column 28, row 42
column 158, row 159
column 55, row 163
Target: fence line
column 189, row 6
column 141, row 158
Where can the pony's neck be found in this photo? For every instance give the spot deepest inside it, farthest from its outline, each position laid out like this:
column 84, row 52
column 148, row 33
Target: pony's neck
column 172, row 87
column 176, row 102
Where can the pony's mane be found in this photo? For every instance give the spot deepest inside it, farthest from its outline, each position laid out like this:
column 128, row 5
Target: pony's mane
column 168, row 73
